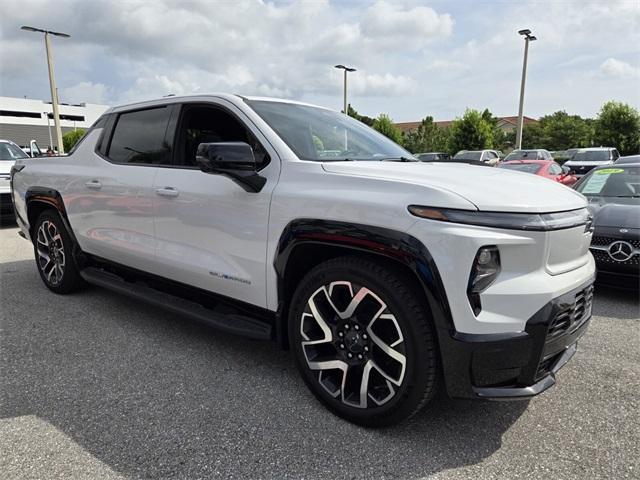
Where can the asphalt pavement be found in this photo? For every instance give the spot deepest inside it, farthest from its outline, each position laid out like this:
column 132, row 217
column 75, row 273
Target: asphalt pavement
column 96, row 385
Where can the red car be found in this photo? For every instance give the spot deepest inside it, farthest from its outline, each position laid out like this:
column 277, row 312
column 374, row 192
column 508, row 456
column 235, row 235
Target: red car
column 545, row 168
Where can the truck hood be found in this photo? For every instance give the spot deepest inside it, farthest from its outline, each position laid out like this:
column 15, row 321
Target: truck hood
column 488, row 188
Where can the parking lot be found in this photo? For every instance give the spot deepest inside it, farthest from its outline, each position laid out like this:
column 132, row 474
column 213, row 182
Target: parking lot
column 95, row 385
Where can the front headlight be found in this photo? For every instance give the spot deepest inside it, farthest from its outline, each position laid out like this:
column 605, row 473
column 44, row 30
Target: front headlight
column 485, row 269
column 512, row 221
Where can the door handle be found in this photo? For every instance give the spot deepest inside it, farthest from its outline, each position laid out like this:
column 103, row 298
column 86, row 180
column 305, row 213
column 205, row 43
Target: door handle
column 93, row 185
column 167, row 192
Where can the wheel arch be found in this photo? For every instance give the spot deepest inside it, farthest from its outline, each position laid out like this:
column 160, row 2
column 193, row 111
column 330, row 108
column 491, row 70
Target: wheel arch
column 305, row 243
column 39, row 199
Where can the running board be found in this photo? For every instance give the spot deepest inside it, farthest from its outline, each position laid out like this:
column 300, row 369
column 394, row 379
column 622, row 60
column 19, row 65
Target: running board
column 228, row 322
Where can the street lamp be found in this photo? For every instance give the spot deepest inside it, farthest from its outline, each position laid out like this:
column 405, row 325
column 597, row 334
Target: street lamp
column 526, row 33
column 346, row 69
column 52, row 81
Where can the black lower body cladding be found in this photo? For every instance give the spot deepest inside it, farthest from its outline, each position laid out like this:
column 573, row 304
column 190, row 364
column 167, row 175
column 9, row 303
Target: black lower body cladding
column 523, row 364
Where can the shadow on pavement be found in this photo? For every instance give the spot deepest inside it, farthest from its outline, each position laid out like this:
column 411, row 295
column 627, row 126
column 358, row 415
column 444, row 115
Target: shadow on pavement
column 151, row 395
column 616, row 303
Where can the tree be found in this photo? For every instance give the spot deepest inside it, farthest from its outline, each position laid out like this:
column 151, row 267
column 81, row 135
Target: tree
column 499, row 136
column 471, row 132
column 363, row 118
column 562, row 131
column 69, row 139
column 428, row 137
column 532, row 136
column 385, row 126
column 618, row 125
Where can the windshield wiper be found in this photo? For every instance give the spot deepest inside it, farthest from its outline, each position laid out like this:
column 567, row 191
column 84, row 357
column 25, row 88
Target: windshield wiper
column 398, row 159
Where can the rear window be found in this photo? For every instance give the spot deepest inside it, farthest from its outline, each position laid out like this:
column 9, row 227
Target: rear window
column 8, row 151
column 138, row 137
column 591, row 156
column 468, row 155
column 522, row 155
column 522, row 167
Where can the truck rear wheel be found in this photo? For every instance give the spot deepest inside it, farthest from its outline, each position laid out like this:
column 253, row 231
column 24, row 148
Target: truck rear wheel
column 53, row 246
column 363, row 341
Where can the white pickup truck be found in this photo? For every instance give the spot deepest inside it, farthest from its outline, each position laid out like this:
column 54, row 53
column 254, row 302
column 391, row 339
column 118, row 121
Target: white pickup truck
column 387, row 277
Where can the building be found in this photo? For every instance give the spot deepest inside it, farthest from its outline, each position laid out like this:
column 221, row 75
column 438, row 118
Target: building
column 506, row 124
column 23, row 120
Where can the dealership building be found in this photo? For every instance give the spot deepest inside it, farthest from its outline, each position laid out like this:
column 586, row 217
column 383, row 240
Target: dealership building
column 23, row 120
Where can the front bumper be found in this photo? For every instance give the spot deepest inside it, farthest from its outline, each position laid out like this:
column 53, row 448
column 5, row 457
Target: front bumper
column 522, row 364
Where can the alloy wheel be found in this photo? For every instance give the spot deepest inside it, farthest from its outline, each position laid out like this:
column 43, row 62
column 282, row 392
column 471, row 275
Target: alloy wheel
column 50, row 250
column 354, row 342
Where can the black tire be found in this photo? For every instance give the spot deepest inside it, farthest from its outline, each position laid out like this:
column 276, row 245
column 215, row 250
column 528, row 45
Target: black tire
column 53, row 249
column 412, row 331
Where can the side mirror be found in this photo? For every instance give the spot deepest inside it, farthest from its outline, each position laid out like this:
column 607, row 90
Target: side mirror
column 565, row 170
column 234, row 159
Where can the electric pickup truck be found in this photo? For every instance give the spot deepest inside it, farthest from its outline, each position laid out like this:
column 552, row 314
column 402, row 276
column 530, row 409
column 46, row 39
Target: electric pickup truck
column 387, row 277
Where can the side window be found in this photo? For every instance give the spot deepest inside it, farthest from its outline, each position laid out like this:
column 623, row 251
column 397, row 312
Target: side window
column 554, row 169
column 139, row 137
column 97, row 124
column 208, row 124
column 615, row 154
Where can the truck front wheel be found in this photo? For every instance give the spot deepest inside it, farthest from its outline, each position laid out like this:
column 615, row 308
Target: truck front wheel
column 363, row 341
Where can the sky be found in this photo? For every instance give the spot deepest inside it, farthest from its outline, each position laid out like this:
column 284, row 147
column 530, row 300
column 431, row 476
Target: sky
column 413, row 58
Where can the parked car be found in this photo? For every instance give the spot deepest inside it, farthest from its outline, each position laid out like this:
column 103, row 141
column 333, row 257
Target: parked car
column 586, row 159
column 614, row 198
column 544, row 168
column 9, row 153
column 537, row 154
column 33, row 150
column 478, row 157
column 628, row 159
column 433, row 157
column 382, row 274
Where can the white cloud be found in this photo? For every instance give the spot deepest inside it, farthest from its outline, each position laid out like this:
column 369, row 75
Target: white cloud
column 373, row 84
column 412, row 27
column 617, row 68
column 413, row 60
column 85, row 92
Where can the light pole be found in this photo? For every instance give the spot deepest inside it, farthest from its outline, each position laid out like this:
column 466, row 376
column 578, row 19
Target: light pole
column 49, row 125
column 346, row 69
column 527, row 38
column 52, row 81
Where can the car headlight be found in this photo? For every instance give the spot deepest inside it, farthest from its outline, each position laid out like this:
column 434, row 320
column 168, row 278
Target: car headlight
column 508, row 220
column 484, row 271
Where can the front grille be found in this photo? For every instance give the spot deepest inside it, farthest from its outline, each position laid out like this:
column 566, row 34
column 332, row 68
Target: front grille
column 606, row 241
column 599, row 249
column 546, row 365
column 571, row 318
column 604, row 257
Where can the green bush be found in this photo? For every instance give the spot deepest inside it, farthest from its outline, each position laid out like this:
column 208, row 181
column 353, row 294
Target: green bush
column 69, row 139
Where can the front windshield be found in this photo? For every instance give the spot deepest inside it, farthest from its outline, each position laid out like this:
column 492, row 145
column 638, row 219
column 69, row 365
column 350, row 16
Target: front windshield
column 522, row 167
column 623, row 182
column 591, row 156
column 521, row 155
column 468, row 156
column 324, row 135
column 9, row 151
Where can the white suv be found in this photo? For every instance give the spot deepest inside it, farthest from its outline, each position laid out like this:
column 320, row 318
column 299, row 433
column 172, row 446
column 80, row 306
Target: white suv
column 281, row 220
